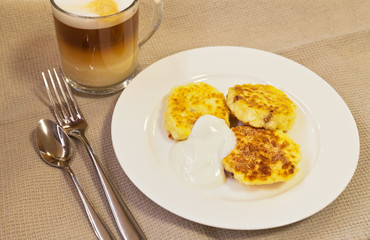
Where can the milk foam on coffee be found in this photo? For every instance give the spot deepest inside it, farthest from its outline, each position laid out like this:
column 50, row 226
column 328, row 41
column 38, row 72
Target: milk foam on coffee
column 93, row 8
column 83, row 7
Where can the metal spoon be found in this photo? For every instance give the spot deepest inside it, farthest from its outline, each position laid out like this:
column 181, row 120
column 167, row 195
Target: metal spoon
column 56, row 150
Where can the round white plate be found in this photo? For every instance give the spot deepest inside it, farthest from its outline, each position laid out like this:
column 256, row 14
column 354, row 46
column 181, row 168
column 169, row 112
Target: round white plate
column 325, row 130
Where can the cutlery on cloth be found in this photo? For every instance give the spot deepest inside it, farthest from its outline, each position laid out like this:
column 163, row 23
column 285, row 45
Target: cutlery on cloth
column 71, row 120
column 56, row 150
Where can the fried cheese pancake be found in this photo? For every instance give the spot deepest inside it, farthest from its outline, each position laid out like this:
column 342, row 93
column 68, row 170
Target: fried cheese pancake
column 262, row 156
column 261, row 106
column 187, row 103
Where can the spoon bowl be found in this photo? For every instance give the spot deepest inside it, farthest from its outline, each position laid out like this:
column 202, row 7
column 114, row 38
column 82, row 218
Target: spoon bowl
column 56, row 150
column 54, row 144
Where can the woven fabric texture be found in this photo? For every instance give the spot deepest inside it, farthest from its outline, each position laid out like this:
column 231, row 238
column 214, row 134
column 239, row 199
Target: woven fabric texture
column 332, row 38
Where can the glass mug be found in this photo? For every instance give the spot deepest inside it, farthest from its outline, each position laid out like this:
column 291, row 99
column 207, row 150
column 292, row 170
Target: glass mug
column 98, row 41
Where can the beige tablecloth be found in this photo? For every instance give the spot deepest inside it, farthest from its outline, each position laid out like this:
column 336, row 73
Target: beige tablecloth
column 332, row 38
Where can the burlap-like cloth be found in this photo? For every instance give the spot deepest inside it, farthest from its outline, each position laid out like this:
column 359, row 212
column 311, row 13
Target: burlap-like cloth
column 332, row 38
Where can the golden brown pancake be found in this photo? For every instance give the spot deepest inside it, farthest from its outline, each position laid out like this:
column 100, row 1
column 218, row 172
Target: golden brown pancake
column 261, row 106
column 187, row 103
column 262, row 156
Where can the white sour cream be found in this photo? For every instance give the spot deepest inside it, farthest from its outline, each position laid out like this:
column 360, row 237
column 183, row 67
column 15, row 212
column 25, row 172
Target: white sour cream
column 198, row 160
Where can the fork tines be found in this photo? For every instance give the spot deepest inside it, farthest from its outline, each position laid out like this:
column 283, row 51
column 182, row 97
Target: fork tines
column 62, row 102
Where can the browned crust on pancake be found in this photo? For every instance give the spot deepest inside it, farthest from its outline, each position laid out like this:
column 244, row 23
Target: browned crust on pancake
column 186, row 103
column 261, row 106
column 262, row 156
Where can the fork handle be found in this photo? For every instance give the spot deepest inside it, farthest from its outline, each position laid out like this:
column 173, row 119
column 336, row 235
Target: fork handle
column 126, row 223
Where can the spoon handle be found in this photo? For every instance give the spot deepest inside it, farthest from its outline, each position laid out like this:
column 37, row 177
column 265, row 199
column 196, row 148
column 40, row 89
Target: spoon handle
column 126, row 223
column 97, row 223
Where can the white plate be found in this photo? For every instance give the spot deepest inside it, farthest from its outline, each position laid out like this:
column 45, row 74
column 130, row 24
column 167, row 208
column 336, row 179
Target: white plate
column 325, row 130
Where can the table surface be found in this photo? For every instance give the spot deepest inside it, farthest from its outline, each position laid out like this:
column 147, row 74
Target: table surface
column 332, row 38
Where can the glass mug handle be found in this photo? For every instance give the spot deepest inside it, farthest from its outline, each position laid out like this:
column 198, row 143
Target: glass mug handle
column 148, row 32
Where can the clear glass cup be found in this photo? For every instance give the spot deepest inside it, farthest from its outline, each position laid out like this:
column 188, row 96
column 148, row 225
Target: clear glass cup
column 99, row 53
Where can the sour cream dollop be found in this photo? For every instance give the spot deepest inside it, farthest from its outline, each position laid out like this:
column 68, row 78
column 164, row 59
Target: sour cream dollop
column 198, row 160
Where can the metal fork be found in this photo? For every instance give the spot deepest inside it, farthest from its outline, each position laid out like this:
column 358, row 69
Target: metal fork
column 70, row 118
